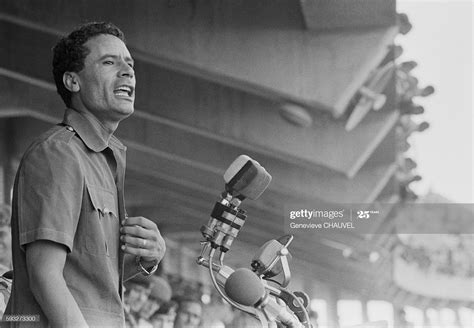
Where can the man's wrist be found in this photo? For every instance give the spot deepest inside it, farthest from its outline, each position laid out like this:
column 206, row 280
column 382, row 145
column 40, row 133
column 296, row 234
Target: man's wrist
column 147, row 268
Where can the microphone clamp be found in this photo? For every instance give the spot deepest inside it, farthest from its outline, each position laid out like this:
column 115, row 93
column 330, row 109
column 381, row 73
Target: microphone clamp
column 224, row 225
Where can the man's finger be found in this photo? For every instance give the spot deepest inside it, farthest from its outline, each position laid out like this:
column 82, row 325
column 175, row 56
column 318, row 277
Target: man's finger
column 138, row 231
column 140, row 221
column 136, row 241
column 155, row 253
column 139, row 251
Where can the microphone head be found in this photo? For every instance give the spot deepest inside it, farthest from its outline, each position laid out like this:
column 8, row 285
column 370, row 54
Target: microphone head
column 246, row 177
column 244, row 287
column 266, row 256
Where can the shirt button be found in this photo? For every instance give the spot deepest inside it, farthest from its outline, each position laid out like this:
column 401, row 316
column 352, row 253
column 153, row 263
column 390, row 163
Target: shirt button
column 106, row 210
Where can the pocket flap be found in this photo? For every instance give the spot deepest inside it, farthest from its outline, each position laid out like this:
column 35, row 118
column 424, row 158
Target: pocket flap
column 103, row 200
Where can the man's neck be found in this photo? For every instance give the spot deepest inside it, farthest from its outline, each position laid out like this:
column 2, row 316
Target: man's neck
column 109, row 126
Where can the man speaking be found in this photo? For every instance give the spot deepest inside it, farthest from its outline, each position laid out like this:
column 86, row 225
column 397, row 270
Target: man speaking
column 73, row 244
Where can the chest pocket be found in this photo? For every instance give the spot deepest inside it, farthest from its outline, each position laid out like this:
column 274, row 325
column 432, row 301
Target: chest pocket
column 103, row 227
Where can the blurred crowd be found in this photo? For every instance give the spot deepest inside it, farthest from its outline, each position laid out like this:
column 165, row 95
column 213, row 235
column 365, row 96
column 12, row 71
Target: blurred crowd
column 5, row 239
column 5, row 255
column 149, row 303
column 455, row 259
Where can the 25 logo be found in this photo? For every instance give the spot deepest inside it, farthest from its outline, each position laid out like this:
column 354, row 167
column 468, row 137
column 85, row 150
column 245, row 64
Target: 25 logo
column 363, row 214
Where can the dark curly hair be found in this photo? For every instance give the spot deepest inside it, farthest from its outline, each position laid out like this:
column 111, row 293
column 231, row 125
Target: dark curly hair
column 69, row 53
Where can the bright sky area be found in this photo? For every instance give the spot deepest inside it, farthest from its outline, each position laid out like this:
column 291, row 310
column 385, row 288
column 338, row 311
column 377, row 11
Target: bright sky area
column 441, row 42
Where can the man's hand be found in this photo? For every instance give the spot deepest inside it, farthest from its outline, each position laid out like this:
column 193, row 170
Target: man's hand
column 141, row 237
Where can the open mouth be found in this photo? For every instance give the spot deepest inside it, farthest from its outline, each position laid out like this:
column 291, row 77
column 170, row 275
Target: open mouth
column 124, row 91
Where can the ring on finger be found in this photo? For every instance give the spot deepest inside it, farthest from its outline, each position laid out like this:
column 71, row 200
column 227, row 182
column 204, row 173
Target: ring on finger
column 144, row 243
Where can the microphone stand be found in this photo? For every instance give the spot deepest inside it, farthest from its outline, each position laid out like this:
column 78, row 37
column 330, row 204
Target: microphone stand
column 224, row 225
column 266, row 268
column 217, row 267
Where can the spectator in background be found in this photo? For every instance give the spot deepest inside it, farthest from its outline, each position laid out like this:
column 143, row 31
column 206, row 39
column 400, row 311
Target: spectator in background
column 5, row 256
column 160, row 293
column 5, row 291
column 244, row 320
column 137, row 291
column 165, row 316
column 189, row 314
column 5, row 239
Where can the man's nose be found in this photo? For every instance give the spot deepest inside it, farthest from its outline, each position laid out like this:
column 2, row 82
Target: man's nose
column 126, row 70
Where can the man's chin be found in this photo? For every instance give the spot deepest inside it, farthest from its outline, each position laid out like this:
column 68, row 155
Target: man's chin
column 124, row 111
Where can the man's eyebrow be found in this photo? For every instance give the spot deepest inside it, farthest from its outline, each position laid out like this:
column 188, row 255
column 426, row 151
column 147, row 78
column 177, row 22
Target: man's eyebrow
column 128, row 59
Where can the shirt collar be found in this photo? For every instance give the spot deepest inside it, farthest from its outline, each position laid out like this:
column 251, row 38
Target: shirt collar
column 91, row 131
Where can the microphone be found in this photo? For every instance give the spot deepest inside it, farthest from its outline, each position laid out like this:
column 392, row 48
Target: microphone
column 246, row 177
column 273, row 258
column 245, row 287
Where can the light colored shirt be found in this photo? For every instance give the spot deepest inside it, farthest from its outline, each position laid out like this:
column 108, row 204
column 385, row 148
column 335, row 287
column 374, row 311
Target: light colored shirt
column 69, row 190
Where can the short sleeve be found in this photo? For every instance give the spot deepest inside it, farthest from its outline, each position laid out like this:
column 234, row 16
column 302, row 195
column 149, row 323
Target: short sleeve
column 50, row 192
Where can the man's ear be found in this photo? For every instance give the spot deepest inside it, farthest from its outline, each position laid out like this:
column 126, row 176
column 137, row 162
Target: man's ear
column 70, row 81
